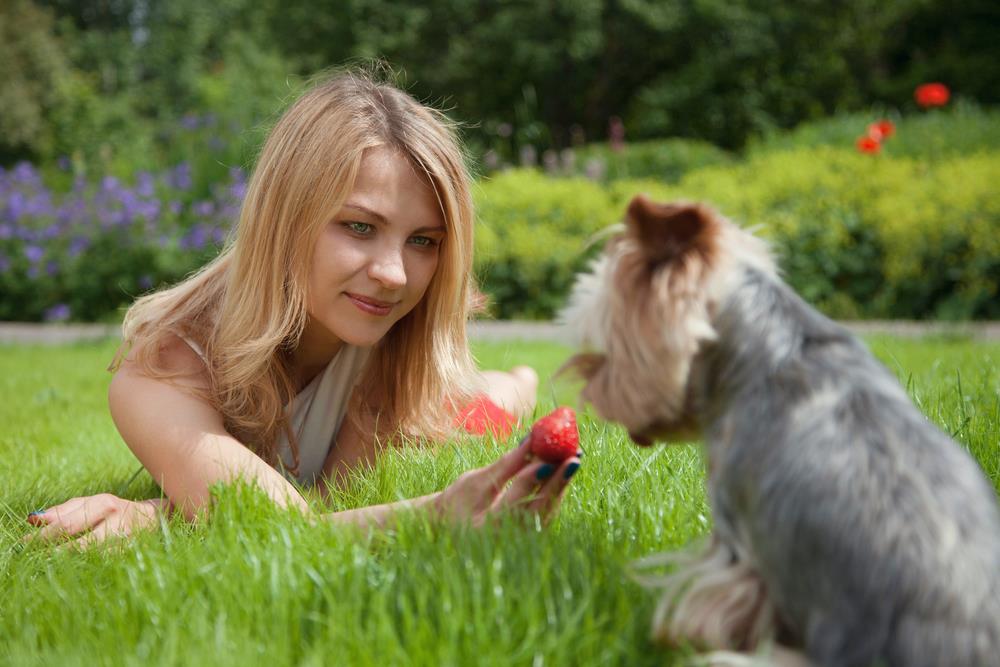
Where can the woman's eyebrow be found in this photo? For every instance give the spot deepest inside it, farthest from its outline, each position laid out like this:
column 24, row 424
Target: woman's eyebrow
column 381, row 218
column 368, row 211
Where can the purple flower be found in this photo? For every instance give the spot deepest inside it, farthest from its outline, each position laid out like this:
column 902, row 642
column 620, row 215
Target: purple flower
column 78, row 245
column 175, row 207
column 4, row 263
column 237, row 191
column 204, row 209
column 6, row 231
column 195, row 239
column 34, row 253
column 64, row 162
column 57, row 313
column 180, row 176
column 144, row 184
column 23, row 172
column 52, row 267
column 146, row 281
column 190, row 122
column 17, row 204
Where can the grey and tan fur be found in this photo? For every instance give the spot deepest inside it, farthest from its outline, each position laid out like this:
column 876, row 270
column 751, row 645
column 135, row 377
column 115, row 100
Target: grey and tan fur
column 847, row 527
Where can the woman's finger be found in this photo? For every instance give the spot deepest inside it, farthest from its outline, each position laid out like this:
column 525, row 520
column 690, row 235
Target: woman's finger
column 500, row 471
column 552, row 491
column 526, row 484
column 87, row 540
column 71, row 517
column 43, row 516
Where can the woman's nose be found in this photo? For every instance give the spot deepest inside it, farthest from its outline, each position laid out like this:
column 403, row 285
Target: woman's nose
column 388, row 270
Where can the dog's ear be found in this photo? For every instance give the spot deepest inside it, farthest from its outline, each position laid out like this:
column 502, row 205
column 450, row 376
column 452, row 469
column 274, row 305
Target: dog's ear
column 667, row 231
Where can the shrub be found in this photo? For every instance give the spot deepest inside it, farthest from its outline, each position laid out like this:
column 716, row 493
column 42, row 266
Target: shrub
column 81, row 254
column 532, row 238
column 865, row 236
column 665, row 159
column 857, row 235
column 963, row 129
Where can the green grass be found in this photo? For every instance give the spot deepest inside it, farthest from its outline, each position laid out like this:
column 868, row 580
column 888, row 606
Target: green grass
column 256, row 586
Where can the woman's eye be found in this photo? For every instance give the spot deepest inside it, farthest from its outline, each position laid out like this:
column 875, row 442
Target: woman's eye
column 423, row 241
column 359, row 227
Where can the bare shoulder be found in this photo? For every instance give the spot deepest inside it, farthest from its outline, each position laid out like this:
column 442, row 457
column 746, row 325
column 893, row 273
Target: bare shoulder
column 175, row 357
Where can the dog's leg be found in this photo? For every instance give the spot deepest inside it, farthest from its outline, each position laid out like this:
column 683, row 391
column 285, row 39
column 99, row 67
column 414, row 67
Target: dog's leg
column 712, row 601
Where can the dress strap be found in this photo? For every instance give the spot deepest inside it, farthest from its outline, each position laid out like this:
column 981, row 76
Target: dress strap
column 194, row 346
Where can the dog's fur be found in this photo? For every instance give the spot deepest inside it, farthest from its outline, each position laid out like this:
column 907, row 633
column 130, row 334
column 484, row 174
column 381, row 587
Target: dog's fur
column 846, row 525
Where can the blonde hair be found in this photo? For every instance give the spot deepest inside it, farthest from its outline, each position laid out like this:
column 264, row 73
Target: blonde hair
column 247, row 308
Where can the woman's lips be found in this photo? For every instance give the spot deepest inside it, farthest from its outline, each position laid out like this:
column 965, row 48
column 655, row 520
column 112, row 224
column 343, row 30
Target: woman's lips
column 370, row 306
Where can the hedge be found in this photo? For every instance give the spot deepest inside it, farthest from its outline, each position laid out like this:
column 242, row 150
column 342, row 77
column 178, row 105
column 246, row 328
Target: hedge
column 860, row 236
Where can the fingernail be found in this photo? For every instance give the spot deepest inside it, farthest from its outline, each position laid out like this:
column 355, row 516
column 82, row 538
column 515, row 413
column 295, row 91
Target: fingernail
column 571, row 469
column 37, row 512
column 545, row 471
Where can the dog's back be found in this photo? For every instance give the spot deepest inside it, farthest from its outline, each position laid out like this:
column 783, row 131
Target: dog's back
column 877, row 536
column 846, row 524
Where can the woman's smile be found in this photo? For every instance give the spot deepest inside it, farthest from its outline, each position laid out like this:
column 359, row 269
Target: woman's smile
column 371, row 306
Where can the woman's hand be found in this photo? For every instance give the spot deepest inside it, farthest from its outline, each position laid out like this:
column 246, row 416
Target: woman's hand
column 96, row 518
column 535, row 487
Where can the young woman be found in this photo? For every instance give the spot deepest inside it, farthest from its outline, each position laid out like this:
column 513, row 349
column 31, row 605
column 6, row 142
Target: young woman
column 333, row 321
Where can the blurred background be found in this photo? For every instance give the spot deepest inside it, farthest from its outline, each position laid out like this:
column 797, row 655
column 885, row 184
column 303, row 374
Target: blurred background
column 861, row 137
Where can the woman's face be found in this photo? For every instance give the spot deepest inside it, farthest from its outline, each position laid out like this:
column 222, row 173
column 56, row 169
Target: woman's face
column 374, row 260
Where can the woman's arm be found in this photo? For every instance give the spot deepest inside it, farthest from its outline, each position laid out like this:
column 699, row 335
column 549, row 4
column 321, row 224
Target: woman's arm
column 516, row 481
column 181, row 440
column 182, row 443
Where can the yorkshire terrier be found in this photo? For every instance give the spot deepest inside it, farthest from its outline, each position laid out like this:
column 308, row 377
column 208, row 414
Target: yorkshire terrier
column 848, row 531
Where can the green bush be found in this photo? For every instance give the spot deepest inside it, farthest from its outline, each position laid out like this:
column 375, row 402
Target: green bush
column 963, row 129
column 664, row 159
column 532, row 239
column 867, row 236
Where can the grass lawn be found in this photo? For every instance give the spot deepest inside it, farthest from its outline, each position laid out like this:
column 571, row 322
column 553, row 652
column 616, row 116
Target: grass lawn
column 256, row 586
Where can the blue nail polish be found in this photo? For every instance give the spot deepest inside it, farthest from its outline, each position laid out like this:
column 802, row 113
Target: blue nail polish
column 545, row 471
column 37, row 512
column 571, row 469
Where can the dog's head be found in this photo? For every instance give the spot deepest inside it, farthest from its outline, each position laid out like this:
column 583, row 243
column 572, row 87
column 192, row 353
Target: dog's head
column 644, row 313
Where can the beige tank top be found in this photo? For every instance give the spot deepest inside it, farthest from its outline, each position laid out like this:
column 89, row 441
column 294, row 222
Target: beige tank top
column 316, row 412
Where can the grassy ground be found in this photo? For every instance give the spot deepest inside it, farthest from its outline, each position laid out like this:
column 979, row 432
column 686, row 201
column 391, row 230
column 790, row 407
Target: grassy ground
column 254, row 586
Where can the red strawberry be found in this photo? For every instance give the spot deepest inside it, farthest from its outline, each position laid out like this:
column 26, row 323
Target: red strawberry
column 554, row 437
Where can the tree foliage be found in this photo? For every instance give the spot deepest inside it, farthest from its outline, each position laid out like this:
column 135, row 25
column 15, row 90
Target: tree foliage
column 104, row 76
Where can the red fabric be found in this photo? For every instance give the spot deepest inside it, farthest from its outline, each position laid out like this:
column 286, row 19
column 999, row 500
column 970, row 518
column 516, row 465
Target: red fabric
column 483, row 416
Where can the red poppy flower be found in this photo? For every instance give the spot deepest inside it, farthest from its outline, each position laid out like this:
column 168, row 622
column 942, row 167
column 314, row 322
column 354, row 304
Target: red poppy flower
column 882, row 129
column 867, row 144
column 932, row 95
